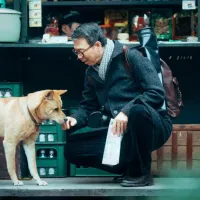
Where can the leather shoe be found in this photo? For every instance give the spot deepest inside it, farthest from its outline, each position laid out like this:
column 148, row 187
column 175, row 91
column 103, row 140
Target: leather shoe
column 146, row 180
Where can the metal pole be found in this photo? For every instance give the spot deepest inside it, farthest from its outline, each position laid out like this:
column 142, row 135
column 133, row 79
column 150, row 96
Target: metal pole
column 198, row 8
column 24, row 21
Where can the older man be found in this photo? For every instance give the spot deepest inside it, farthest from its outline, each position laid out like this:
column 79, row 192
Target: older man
column 134, row 103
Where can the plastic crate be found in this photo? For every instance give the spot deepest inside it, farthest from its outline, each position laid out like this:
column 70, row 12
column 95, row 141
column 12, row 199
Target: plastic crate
column 15, row 89
column 84, row 171
column 51, row 164
column 88, row 171
column 51, row 134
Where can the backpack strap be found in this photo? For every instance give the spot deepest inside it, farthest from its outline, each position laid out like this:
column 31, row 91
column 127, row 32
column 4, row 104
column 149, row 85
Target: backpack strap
column 126, row 63
column 127, row 66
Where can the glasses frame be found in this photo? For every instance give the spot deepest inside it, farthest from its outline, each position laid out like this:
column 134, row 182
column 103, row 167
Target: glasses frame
column 81, row 53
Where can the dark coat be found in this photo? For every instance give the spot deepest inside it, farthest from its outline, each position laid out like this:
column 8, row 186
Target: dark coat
column 119, row 92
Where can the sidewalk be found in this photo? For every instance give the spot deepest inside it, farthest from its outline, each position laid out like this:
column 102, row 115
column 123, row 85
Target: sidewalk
column 102, row 187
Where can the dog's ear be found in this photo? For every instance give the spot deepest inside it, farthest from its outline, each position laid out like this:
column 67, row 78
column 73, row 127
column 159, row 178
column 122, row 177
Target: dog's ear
column 36, row 98
column 60, row 92
column 49, row 95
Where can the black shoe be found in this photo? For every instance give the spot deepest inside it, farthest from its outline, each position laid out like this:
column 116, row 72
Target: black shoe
column 146, row 180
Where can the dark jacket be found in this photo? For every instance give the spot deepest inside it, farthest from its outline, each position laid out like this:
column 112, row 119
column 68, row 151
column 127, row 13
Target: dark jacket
column 119, row 92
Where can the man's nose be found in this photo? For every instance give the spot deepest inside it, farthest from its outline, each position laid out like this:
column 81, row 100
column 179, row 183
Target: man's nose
column 79, row 56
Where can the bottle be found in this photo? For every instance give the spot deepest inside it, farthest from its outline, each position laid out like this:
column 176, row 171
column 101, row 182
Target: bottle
column 51, row 171
column 50, row 121
column 50, row 138
column 7, row 94
column 1, row 94
column 51, row 153
column 42, row 138
column 42, row 171
column 42, row 154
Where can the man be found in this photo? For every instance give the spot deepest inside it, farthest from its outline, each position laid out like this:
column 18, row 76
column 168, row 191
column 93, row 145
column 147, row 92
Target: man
column 70, row 22
column 134, row 103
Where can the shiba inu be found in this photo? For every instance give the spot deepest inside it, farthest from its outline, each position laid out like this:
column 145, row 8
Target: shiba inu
column 20, row 118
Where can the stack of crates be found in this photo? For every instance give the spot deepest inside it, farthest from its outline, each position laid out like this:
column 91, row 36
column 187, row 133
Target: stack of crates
column 50, row 150
column 11, row 89
column 81, row 170
column 8, row 89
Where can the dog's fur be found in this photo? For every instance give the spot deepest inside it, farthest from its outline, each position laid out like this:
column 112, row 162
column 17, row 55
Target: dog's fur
column 20, row 118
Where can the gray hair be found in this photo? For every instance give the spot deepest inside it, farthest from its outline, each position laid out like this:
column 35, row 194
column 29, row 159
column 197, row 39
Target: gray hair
column 91, row 32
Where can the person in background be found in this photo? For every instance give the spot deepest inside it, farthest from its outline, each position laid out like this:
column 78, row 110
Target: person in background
column 70, row 22
column 135, row 104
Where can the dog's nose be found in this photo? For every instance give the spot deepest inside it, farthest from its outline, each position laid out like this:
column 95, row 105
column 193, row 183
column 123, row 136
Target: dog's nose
column 65, row 119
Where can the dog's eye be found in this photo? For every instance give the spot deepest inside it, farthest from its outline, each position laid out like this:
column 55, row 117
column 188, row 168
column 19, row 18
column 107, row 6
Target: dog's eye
column 56, row 109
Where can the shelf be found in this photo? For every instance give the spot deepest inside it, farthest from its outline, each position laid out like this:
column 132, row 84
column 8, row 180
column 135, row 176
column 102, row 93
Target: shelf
column 70, row 45
column 32, row 45
column 111, row 3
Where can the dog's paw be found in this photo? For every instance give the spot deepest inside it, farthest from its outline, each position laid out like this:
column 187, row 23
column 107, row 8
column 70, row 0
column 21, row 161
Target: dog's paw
column 18, row 183
column 42, row 183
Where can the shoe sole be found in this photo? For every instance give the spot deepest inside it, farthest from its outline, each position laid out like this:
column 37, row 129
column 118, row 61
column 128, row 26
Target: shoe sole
column 137, row 185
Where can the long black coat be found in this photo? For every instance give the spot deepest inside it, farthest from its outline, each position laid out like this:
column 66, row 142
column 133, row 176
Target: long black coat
column 119, row 92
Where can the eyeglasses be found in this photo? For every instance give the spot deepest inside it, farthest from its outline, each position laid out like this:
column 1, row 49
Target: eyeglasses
column 79, row 52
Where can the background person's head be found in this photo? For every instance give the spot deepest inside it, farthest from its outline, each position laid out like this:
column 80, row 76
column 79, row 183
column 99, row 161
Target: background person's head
column 89, row 42
column 70, row 22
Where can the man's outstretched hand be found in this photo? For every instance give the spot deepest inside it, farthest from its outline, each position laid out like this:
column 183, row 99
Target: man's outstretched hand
column 70, row 122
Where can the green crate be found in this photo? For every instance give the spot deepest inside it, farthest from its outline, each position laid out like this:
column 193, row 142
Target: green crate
column 83, row 131
column 85, row 171
column 88, row 171
column 58, row 163
column 16, row 88
column 51, row 134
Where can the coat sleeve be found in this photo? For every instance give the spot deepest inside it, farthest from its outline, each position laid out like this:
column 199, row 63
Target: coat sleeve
column 152, row 89
column 88, row 103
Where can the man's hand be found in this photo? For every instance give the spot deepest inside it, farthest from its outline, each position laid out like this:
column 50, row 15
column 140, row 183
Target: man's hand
column 120, row 124
column 69, row 123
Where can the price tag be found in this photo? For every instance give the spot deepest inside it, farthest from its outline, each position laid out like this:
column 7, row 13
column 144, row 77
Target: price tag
column 35, row 5
column 188, row 5
column 35, row 22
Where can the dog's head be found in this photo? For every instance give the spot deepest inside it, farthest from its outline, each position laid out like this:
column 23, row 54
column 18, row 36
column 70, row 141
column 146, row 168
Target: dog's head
column 47, row 104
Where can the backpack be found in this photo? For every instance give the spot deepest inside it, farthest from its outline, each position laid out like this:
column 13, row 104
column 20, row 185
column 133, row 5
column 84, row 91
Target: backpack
column 173, row 94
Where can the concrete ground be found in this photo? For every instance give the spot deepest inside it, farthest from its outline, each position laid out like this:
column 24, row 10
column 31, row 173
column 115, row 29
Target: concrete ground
column 185, row 188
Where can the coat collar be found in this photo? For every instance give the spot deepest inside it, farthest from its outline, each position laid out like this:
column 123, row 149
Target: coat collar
column 118, row 48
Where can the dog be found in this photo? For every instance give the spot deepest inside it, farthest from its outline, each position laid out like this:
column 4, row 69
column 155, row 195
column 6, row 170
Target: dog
column 20, row 118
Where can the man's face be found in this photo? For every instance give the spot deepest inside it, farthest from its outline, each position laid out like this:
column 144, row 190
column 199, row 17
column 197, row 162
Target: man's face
column 90, row 55
column 67, row 30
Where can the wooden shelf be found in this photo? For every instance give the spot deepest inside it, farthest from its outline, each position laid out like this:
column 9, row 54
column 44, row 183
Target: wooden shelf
column 70, row 45
column 111, row 3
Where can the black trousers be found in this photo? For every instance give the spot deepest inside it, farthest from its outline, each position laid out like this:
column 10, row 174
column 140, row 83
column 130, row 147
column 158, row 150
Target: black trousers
column 141, row 138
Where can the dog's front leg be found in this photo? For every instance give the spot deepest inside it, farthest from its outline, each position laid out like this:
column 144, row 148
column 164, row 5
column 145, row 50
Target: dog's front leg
column 29, row 148
column 10, row 150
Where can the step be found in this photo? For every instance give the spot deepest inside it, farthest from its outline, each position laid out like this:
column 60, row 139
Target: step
column 102, row 187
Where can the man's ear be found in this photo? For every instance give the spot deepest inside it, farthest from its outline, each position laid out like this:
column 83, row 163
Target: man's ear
column 60, row 92
column 98, row 44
